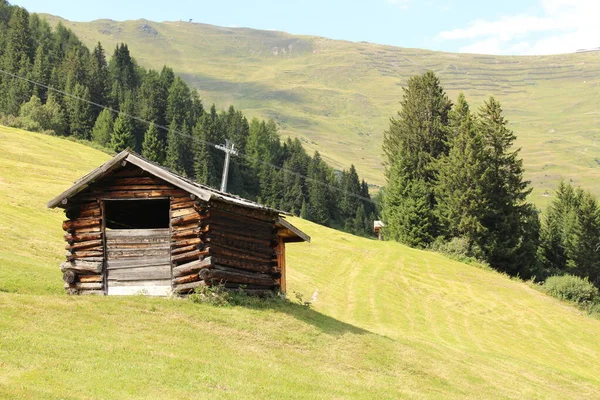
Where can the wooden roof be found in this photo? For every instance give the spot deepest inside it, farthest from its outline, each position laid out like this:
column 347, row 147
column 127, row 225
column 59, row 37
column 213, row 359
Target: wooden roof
column 203, row 192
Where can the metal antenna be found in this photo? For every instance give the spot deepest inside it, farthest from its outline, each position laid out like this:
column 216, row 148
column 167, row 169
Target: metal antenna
column 228, row 150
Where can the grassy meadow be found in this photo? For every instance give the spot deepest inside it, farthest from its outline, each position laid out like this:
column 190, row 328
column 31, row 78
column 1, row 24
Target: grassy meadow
column 338, row 96
column 387, row 321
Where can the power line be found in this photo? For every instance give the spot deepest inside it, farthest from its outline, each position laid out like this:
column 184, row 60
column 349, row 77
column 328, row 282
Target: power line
column 185, row 135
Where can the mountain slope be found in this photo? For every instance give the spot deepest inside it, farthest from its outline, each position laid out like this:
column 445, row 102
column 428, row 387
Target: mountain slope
column 388, row 321
column 338, row 96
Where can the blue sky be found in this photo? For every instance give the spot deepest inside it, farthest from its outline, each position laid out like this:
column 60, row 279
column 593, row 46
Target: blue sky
column 501, row 27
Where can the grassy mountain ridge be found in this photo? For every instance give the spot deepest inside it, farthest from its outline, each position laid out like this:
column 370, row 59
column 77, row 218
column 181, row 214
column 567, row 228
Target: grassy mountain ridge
column 338, row 96
column 388, row 321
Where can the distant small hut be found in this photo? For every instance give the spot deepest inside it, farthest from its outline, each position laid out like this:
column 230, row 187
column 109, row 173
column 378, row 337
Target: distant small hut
column 377, row 225
column 135, row 227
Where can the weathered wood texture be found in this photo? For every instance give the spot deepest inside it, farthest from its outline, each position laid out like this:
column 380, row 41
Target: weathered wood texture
column 138, row 257
column 239, row 249
column 207, row 243
column 82, row 272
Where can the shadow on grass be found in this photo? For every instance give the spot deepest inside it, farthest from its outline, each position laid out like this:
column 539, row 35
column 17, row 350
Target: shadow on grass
column 306, row 314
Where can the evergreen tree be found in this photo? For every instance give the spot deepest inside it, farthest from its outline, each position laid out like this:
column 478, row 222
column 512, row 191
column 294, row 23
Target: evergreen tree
column 41, row 72
column 462, row 177
column 503, row 245
column 173, row 159
column 98, row 77
column 304, row 213
column 79, row 112
column 317, row 191
column 56, row 120
column 349, row 195
column 103, row 128
column 412, row 144
column 123, row 74
column 16, row 59
column 202, row 164
column 153, row 147
column 179, row 103
column 153, row 99
column 122, row 137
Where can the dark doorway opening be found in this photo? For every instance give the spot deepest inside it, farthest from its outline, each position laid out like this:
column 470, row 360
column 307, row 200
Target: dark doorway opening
column 137, row 214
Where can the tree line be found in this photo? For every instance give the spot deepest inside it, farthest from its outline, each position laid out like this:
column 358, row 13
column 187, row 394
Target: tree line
column 278, row 173
column 454, row 179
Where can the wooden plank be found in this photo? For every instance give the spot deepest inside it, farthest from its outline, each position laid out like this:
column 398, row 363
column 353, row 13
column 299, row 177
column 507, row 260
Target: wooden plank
column 132, row 246
column 90, row 278
column 181, row 199
column 185, row 249
column 181, row 212
column 186, row 219
column 149, row 290
column 188, row 233
column 190, row 255
column 185, row 204
column 242, row 264
column 239, row 245
column 133, row 263
column 192, row 267
column 140, row 274
column 240, row 254
column 232, row 237
column 141, row 180
column 186, row 242
column 84, row 254
column 179, row 228
column 81, row 223
column 82, row 237
column 111, row 187
column 186, row 279
column 115, row 233
column 89, row 229
column 83, row 245
column 133, row 194
column 114, row 254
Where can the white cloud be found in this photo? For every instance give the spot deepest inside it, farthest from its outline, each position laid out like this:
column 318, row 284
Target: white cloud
column 563, row 26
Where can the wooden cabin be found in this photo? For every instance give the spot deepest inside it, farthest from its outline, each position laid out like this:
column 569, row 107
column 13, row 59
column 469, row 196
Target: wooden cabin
column 134, row 227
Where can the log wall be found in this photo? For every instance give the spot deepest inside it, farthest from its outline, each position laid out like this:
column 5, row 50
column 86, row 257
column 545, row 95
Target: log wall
column 83, row 268
column 232, row 245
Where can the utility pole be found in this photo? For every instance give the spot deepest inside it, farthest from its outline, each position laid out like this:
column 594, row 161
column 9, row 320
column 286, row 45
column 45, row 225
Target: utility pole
column 228, row 151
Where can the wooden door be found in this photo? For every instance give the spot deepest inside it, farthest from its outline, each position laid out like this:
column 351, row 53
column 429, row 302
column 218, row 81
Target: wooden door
column 138, row 261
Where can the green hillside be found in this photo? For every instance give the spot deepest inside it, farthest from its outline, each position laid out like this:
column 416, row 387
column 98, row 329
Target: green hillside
column 387, row 322
column 338, row 96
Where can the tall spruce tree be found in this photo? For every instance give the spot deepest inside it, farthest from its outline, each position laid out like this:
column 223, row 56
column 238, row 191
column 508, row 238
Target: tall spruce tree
column 462, row 196
column 174, row 157
column 122, row 137
column 318, row 201
column 153, row 147
column 103, row 128
column 504, row 244
column 412, row 144
column 16, row 59
column 79, row 112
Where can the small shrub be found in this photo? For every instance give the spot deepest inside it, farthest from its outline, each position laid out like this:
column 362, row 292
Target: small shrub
column 301, row 301
column 572, row 288
column 216, row 295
